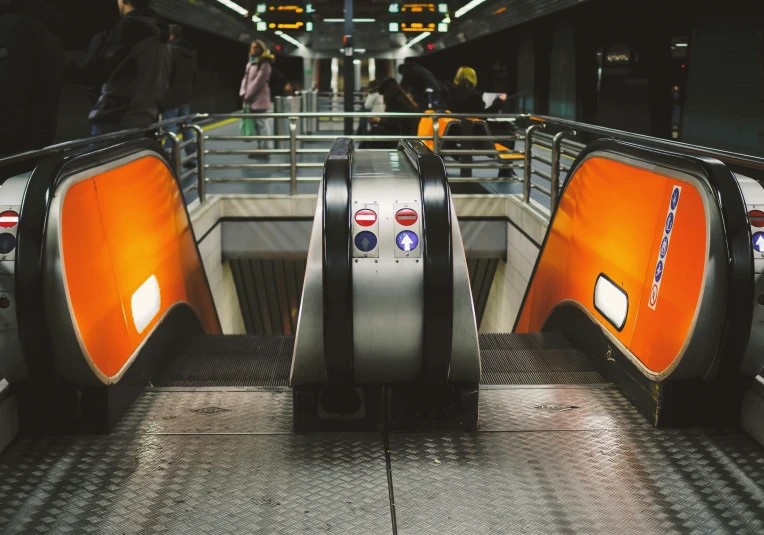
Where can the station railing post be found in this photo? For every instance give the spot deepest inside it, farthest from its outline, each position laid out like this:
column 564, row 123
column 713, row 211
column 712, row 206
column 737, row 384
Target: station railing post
column 435, row 135
column 175, row 152
column 200, row 171
column 528, row 170
column 554, row 191
column 293, row 155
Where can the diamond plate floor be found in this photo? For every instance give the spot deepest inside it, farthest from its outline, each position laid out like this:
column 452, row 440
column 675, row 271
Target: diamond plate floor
column 556, row 409
column 280, row 484
column 243, row 413
column 605, row 481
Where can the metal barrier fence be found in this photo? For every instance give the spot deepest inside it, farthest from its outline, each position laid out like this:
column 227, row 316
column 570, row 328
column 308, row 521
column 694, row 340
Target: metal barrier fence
column 293, row 143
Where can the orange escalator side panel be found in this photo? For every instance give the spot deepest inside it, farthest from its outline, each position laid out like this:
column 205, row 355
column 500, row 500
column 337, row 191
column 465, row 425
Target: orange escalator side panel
column 138, row 204
column 611, row 221
column 556, row 261
column 90, row 280
column 616, row 214
column 660, row 334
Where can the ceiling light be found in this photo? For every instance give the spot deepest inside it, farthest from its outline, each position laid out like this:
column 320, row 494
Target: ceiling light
column 233, row 5
column 289, row 39
column 469, row 7
column 354, row 20
column 416, row 39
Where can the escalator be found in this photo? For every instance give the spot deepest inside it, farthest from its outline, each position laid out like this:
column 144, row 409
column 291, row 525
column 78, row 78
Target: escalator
column 139, row 416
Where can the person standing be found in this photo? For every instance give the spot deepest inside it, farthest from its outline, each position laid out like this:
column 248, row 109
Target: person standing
column 31, row 74
column 177, row 102
column 256, row 94
column 420, row 83
column 133, row 69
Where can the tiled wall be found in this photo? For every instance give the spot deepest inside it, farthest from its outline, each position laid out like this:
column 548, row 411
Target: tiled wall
column 525, row 232
column 218, row 272
column 527, row 227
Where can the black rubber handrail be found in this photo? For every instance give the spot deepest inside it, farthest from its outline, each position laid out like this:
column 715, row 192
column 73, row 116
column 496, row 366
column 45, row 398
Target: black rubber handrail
column 438, row 262
column 336, row 256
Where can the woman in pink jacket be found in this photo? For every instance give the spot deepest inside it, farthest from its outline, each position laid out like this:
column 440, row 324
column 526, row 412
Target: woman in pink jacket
column 256, row 94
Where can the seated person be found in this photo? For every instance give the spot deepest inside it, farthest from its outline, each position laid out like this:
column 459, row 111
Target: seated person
column 375, row 103
column 463, row 97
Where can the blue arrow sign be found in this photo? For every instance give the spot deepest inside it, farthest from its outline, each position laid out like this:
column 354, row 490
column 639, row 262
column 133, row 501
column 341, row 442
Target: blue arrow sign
column 669, row 223
column 659, row 271
column 758, row 242
column 675, row 199
column 365, row 241
column 407, row 241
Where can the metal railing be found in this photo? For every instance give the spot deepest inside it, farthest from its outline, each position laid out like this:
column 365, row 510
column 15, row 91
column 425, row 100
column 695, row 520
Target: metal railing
column 546, row 156
column 294, row 146
column 296, row 143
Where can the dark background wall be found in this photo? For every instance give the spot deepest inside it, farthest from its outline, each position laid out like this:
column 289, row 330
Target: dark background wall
column 709, row 91
column 221, row 65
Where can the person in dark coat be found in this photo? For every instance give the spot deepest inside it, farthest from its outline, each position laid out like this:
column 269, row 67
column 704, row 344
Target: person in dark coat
column 31, row 74
column 94, row 48
column 396, row 101
column 182, row 78
column 420, row 83
column 133, row 68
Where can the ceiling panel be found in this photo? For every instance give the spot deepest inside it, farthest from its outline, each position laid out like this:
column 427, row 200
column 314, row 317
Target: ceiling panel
column 495, row 15
column 489, row 17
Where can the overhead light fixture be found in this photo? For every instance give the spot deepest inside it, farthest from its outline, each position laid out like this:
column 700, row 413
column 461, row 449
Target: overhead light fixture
column 469, row 7
column 681, row 45
column 356, row 62
column 416, row 39
column 236, row 7
column 256, row 19
column 611, row 301
column 289, row 39
column 354, row 20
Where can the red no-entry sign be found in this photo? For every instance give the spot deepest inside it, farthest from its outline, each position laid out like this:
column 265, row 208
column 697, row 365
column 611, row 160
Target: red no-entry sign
column 366, row 217
column 406, row 217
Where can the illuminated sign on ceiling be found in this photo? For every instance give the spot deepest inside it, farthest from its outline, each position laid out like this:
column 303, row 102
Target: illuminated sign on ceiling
column 287, row 17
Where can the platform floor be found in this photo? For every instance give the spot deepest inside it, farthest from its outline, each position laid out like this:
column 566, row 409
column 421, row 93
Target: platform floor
column 545, row 459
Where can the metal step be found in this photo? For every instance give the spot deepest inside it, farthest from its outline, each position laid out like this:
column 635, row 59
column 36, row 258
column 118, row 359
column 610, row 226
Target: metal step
column 204, row 361
column 265, row 361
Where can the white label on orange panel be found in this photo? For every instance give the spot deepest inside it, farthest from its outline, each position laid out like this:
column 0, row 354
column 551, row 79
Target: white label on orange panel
column 660, row 264
column 145, row 303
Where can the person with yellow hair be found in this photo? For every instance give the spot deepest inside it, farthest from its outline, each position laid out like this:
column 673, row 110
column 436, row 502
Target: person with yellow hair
column 464, row 97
